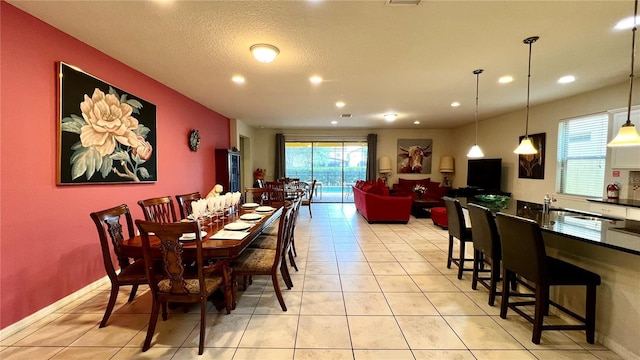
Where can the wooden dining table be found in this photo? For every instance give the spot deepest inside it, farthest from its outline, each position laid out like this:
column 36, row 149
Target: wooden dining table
column 219, row 251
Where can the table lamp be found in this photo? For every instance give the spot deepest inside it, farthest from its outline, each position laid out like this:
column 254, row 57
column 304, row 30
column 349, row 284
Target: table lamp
column 446, row 167
column 384, row 167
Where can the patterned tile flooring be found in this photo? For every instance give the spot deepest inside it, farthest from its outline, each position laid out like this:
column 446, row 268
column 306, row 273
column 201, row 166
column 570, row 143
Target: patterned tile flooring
column 364, row 291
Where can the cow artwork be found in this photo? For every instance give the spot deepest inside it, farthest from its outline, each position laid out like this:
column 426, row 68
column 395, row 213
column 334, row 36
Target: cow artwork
column 414, row 156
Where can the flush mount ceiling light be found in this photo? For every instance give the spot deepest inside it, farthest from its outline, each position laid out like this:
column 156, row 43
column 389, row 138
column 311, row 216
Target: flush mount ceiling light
column 238, row 79
column 265, row 53
column 340, row 104
column 455, row 104
column 334, row 122
column 628, row 135
column 315, row 79
column 416, row 122
column 390, row 117
column 526, row 145
column 505, row 79
column 567, row 79
column 475, row 151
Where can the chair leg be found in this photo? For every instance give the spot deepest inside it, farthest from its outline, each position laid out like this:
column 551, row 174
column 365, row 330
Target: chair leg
column 284, row 270
column 590, row 313
column 203, row 324
column 276, row 288
column 504, row 305
column 293, row 247
column 152, row 325
column 134, row 289
column 164, row 311
column 450, row 252
column 112, row 302
column 493, row 282
column 310, row 214
column 476, row 269
column 461, row 261
column 292, row 261
column 540, row 308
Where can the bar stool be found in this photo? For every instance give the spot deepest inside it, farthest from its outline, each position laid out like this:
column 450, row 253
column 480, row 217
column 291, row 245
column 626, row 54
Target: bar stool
column 523, row 254
column 458, row 230
column 487, row 249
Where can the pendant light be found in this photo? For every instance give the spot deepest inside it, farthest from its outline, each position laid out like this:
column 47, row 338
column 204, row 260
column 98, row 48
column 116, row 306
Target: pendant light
column 628, row 135
column 475, row 151
column 526, row 145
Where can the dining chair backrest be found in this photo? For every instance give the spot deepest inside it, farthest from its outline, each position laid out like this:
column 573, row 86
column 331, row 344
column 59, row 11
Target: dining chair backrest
column 171, row 252
column 523, row 249
column 255, row 194
column 455, row 218
column 285, row 232
column 485, row 233
column 158, row 210
column 276, row 193
column 110, row 224
column 184, row 203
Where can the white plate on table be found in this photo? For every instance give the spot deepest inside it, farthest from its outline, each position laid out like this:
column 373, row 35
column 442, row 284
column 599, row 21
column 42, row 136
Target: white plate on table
column 264, row 209
column 237, row 226
column 250, row 205
column 191, row 236
column 250, row 216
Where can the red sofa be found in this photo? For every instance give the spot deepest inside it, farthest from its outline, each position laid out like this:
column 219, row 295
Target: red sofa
column 404, row 187
column 377, row 207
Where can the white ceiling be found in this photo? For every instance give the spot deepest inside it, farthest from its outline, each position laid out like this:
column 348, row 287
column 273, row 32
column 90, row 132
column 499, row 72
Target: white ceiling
column 376, row 57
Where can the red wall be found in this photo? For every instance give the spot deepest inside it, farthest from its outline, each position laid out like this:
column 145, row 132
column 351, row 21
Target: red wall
column 48, row 244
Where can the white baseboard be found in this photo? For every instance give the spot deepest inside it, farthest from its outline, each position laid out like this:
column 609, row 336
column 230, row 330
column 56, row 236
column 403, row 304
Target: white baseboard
column 40, row 314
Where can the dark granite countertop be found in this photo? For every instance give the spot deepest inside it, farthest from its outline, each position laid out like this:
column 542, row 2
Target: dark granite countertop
column 621, row 202
column 622, row 235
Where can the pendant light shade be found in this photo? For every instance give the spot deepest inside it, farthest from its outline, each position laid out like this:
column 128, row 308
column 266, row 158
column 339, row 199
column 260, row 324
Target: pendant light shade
column 628, row 135
column 475, row 151
column 526, row 146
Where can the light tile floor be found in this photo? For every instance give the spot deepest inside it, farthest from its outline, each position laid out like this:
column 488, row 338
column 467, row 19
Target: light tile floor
column 364, row 291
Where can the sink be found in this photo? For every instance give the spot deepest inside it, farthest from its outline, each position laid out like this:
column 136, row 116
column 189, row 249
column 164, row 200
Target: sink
column 576, row 214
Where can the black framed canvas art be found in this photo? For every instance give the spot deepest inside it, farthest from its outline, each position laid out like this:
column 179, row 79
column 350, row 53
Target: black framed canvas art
column 532, row 166
column 105, row 134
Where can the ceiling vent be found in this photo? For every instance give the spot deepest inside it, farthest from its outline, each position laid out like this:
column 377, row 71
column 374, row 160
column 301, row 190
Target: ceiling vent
column 345, row 115
column 403, row 2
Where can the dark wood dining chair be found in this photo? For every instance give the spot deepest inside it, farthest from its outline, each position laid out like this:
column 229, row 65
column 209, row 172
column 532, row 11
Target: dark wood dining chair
column 177, row 286
column 110, row 224
column 264, row 261
column 184, row 203
column 524, row 255
column 276, row 194
column 158, row 209
column 255, row 194
column 309, row 197
column 486, row 250
column 459, row 230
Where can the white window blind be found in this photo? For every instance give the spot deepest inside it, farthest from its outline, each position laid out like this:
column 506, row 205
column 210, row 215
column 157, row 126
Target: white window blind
column 582, row 152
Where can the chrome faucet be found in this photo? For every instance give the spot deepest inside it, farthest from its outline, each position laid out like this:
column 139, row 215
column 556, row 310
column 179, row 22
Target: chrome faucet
column 546, row 207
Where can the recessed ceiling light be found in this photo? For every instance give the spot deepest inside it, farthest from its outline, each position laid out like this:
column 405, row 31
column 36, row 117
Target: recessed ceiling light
column 265, row 53
column 340, row 104
column 315, row 79
column 567, row 79
column 416, row 122
column 505, row 79
column 626, row 23
column 334, row 122
column 238, row 79
column 390, row 117
column 455, row 104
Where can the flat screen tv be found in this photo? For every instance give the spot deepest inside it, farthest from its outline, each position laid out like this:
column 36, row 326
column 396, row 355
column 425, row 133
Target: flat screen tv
column 484, row 174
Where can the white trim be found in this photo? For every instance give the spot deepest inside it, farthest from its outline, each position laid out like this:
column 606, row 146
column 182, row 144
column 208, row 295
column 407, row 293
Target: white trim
column 40, row 314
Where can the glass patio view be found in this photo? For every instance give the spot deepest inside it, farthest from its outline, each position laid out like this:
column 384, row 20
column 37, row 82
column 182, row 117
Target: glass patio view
column 335, row 165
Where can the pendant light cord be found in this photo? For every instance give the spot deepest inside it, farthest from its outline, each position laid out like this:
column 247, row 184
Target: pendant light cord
column 633, row 58
column 477, row 73
column 529, row 41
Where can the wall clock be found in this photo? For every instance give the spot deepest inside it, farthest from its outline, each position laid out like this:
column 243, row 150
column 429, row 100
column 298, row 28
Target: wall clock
column 194, row 140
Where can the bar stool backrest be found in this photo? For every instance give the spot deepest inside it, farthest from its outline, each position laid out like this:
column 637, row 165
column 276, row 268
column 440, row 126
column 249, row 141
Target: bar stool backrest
column 455, row 217
column 522, row 247
column 484, row 230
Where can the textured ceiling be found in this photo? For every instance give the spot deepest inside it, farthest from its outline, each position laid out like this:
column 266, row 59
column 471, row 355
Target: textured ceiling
column 378, row 58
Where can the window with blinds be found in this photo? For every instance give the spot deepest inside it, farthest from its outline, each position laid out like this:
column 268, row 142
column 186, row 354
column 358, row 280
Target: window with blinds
column 582, row 152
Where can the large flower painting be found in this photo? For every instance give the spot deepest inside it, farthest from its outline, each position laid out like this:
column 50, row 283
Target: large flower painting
column 106, row 135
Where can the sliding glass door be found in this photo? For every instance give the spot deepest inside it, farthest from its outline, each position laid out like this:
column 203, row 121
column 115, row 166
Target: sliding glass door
column 335, row 166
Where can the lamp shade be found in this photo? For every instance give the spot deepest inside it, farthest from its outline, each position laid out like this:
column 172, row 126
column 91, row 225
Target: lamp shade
column 384, row 165
column 526, row 147
column 475, row 152
column 446, row 164
column 627, row 136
